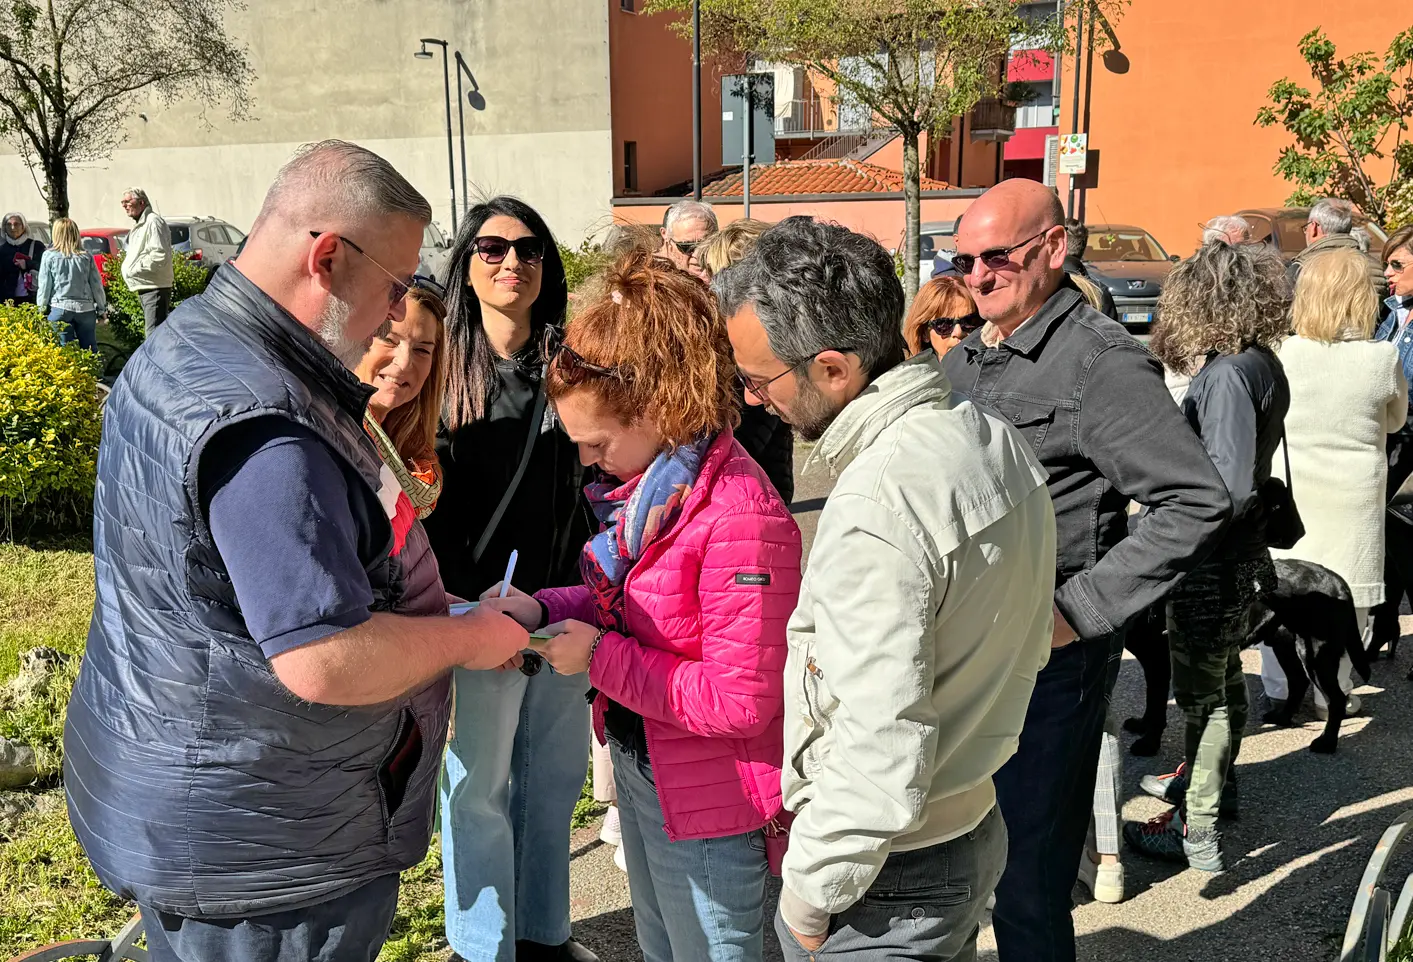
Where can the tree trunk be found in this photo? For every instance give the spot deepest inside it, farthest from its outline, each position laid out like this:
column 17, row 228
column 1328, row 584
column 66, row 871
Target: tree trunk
column 912, row 213
column 56, row 187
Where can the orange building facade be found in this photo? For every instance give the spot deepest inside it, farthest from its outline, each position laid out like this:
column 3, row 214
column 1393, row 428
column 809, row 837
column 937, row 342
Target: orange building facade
column 1172, row 109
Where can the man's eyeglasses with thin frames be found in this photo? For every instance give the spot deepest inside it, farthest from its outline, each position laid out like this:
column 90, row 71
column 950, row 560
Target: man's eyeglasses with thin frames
column 399, row 287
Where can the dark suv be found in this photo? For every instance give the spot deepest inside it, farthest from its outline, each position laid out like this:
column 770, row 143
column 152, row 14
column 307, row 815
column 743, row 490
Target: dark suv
column 1132, row 265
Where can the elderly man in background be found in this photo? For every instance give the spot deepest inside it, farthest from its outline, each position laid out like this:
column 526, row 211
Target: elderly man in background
column 925, row 613
column 1092, row 404
column 1226, row 229
column 685, row 226
column 253, row 744
column 1330, row 227
column 147, row 259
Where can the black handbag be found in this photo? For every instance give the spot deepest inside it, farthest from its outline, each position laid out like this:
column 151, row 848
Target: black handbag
column 1283, row 525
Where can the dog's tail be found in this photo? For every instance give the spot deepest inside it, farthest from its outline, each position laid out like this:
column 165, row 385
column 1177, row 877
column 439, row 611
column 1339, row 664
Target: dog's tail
column 1354, row 644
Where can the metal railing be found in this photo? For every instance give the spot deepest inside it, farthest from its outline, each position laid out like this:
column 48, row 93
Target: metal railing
column 1035, row 115
column 812, row 115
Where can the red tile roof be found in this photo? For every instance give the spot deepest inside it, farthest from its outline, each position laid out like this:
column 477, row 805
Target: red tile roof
column 817, row 177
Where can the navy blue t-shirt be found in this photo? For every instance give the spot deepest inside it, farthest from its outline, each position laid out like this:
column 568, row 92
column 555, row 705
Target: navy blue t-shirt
column 277, row 502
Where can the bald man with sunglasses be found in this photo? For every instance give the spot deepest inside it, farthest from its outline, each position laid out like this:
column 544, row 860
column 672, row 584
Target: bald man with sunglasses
column 1092, row 403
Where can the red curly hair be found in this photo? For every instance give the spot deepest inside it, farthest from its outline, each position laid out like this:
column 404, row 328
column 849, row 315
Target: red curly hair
column 657, row 332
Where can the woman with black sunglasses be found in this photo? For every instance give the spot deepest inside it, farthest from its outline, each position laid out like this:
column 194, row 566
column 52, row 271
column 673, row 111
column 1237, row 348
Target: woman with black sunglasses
column 517, row 756
column 941, row 317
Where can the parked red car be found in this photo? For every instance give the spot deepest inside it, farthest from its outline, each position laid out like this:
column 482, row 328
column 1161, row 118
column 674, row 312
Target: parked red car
column 103, row 241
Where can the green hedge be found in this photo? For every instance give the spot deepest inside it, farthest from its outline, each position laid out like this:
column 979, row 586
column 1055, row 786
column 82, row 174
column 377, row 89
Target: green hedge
column 125, row 310
column 50, row 421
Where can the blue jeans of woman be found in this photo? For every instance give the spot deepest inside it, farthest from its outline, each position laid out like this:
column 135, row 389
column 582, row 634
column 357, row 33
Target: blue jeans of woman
column 76, row 325
column 701, row 899
column 515, row 766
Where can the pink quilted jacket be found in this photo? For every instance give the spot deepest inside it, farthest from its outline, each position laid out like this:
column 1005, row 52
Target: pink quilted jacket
column 704, row 663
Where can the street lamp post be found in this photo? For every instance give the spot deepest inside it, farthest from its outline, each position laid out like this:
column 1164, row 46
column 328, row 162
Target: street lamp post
column 425, row 54
column 697, row 100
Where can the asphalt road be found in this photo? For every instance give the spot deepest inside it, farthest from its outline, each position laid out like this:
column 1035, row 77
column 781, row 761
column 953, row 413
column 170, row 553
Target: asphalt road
column 1307, row 828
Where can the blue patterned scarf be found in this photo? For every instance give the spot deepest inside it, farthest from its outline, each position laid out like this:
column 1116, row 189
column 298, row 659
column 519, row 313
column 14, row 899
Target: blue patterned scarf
column 633, row 514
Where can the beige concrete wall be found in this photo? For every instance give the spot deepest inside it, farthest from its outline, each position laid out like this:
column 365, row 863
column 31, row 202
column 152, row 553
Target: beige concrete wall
column 344, row 68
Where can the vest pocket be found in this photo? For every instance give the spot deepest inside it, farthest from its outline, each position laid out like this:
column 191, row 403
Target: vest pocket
column 399, row 763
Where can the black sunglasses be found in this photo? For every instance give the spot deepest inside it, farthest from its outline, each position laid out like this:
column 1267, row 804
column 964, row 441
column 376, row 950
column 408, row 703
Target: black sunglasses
column 686, row 248
column 943, row 326
column 994, row 259
column 528, row 250
column 430, row 284
column 572, row 366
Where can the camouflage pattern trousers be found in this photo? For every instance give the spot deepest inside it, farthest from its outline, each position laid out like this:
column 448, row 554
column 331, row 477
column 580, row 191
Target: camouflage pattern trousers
column 1210, row 615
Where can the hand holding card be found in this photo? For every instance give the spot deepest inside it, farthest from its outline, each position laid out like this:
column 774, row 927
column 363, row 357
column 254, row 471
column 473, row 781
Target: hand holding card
column 569, row 647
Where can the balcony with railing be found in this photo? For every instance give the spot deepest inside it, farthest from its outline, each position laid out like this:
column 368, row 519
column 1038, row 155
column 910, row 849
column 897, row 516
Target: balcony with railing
column 1035, row 115
column 993, row 120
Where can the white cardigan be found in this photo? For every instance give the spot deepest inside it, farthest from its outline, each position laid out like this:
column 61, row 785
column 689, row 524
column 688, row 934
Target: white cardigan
column 1345, row 399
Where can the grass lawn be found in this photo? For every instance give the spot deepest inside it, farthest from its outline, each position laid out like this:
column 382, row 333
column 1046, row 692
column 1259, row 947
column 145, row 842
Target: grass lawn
column 47, row 890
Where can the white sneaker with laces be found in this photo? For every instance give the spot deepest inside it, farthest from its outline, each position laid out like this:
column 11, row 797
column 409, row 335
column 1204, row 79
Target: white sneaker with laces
column 612, row 831
column 1105, row 880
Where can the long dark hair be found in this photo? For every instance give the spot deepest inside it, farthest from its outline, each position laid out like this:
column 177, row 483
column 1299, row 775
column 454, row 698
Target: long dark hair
column 471, row 380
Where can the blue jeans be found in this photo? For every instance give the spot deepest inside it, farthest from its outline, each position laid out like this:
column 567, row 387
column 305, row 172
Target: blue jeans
column 701, row 899
column 515, row 766
column 926, row 904
column 80, row 325
column 1046, row 793
column 351, row 928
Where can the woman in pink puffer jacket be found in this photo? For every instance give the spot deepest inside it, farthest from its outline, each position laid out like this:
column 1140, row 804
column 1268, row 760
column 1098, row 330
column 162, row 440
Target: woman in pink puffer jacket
column 680, row 622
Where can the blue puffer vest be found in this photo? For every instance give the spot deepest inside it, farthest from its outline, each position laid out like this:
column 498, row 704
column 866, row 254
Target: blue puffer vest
column 196, row 782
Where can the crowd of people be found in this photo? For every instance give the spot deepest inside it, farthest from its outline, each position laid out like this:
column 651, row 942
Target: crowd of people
column 377, row 552
column 64, row 282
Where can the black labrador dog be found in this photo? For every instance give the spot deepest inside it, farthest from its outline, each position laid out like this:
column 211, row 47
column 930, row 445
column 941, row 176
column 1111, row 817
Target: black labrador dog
column 1310, row 624
column 1309, row 621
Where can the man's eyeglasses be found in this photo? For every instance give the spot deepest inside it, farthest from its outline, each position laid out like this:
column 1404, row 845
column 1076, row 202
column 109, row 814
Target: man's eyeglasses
column 762, row 390
column 944, row 326
column 528, row 250
column 686, row 248
column 994, row 259
column 399, row 287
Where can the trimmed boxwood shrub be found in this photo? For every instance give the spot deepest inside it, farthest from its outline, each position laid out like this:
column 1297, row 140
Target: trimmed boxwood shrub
column 50, row 422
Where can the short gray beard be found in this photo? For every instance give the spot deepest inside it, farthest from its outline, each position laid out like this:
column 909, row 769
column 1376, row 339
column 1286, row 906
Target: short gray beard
column 812, row 412
column 333, row 331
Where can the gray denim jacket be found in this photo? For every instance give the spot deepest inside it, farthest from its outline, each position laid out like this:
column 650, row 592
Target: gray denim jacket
column 1092, row 403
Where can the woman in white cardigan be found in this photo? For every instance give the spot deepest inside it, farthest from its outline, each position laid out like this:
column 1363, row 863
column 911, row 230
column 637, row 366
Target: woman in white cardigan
column 1347, row 393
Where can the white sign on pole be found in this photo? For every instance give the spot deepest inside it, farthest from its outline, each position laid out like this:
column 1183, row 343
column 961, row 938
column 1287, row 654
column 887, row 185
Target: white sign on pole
column 1052, row 160
column 1074, row 153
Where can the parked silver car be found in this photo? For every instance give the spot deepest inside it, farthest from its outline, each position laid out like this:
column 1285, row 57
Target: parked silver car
column 206, row 241
column 436, row 251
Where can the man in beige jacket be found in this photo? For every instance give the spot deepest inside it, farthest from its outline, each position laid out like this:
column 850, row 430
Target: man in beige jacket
column 925, row 614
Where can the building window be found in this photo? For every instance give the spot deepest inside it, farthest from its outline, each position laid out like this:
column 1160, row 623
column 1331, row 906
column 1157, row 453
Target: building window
column 630, row 160
column 626, row 5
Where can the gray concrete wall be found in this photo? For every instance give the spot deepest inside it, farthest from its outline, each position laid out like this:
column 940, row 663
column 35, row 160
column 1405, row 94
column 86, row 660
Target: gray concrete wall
column 344, row 68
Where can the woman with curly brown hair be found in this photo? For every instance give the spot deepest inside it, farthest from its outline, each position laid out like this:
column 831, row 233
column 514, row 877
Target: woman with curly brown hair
column 1221, row 314
column 680, row 619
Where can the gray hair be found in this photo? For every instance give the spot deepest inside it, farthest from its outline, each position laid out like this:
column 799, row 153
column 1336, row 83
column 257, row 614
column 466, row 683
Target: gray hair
column 1334, row 216
column 1220, row 229
column 344, row 182
column 689, row 210
column 1361, row 237
column 140, row 194
column 1076, row 238
column 819, row 287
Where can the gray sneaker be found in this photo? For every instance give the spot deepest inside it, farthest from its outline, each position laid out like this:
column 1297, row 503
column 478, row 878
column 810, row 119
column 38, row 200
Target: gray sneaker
column 1172, row 788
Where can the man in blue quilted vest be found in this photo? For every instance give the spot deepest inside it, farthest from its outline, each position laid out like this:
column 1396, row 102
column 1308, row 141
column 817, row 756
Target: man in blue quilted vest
column 253, row 743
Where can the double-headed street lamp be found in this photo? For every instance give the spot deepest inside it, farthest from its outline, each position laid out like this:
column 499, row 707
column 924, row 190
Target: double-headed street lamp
column 425, row 54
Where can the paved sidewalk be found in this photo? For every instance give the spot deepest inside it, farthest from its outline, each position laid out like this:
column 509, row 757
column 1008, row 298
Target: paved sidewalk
column 1308, row 825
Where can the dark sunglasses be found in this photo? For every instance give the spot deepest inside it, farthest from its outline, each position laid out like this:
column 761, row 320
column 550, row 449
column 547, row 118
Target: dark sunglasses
column 430, row 284
column 528, row 250
column 944, row 326
column 572, row 366
column 686, row 248
column 994, row 259
column 1398, row 265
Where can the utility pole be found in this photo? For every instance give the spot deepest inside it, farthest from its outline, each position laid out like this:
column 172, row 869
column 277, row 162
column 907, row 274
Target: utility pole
column 746, row 145
column 1078, row 50
column 697, row 100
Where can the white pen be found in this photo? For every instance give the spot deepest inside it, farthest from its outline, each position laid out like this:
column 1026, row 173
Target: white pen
column 509, row 573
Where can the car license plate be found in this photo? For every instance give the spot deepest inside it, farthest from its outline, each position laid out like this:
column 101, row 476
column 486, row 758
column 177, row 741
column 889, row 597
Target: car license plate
column 1138, row 317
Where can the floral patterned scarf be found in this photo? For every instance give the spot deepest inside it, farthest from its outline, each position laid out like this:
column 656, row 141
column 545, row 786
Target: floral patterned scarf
column 633, row 514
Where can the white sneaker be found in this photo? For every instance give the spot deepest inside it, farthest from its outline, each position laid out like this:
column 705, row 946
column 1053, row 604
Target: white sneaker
column 612, row 831
column 1105, row 880
column 1353, row 708
column 619, row 860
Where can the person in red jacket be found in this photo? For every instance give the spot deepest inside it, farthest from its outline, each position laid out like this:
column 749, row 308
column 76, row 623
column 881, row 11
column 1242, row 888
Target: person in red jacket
column 680, row 621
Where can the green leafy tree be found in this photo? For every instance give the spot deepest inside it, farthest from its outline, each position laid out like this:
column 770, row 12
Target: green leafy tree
column 71, row 71
column 917, row 65
column 1351, row 130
